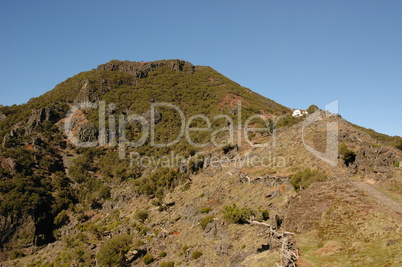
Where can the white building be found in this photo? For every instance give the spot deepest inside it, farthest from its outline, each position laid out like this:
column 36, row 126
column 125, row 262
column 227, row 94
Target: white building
column 299, row 112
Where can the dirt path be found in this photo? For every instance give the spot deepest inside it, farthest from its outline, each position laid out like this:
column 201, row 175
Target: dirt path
column 380, row 197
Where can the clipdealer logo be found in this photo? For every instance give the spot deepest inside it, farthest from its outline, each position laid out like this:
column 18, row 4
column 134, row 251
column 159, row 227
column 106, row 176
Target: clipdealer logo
column 114, row 135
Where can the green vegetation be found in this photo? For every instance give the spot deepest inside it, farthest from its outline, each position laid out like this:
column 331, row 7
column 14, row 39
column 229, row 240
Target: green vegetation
column 205, row 210
column 264, row 215
column 167, row 264
column 147, row 259
column 61, row 218
column 112, row 253
column 348, row 156
column 46, row 181
column 162, row 254
column 302, row 179
column 234, row 214
column 395, row 141
column 311, row 109
column 196, row 254
column 158, row 182
column 204, row 221
column 288, row 120
column 141, row 215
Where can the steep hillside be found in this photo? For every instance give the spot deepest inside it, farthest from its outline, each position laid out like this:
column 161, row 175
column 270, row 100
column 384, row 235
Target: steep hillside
column 246, row 184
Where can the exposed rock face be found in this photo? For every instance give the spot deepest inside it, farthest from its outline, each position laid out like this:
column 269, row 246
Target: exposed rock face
column 223, row 248
column 88, row 132
column 211, row 229
column 17, row 232
column 15, row 132
column 8, row 164
column 157, row 116
column 40, row 115
column 377, row 160
column 141, row 69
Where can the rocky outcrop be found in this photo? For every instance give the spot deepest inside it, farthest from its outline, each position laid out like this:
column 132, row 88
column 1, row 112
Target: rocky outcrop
column 142, row 69
column 88, row 132
column 8, row 164
column 373, row 160
column 40, row 115
column 15, row 132
column 17, row 232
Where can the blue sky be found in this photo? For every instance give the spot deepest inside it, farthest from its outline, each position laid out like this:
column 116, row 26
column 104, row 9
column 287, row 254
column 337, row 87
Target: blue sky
column 295, row 52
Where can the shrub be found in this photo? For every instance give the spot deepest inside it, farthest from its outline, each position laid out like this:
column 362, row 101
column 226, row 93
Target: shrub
column 302, row 179
column 397, row 164
column 205, row 210
column 162, row 254
column 15, row 254
column 147, row 259
column 205, row 221
column 112, row 253
column 141, row 215
column 167, row 264
column 311, row 109
column 347, row 155
column 234, row 214
column 196, row 254
column 61, row 218
column 264, row 216
column 159, row 181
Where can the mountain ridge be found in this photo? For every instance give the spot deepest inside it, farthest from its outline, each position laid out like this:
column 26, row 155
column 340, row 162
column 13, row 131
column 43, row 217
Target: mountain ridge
column 66, row 204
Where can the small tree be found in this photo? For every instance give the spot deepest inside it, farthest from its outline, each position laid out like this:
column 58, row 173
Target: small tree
column 302, row 179
column 61, row 218
column 234, row 214
column 148, row 259
column 141, row 215
column 311, row 109
column 112, row 253
column 204, row 222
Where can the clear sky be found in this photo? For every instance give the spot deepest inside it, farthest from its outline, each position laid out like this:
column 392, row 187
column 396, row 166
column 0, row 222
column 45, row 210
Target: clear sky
column 295, row 52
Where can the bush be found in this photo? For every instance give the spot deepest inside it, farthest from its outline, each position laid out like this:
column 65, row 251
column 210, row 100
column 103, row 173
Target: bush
column 311, row 109
column 15, row 254
column 162, row 254
column 167, row 264
column 227, row 148
column 141, row 215
column 147, row 259
column 196, row 254
column 205, row 210
column 397, row 164
column 159, row 181
column 61, row 218
column 205, row 221
column 233, row 214
column 264, row 216
column 347, row 155
column 112, row 253
column 302, row 179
